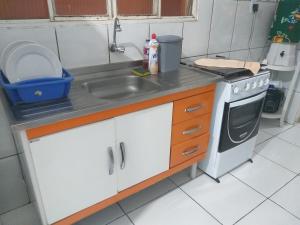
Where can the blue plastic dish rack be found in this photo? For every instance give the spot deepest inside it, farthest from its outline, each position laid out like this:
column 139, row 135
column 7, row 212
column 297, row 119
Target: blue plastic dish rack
column 37, row 90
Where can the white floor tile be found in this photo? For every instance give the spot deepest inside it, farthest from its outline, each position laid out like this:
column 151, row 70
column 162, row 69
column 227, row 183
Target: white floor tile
column 289, row 197
column 26, row 215
column 262, row 137
column 13, row 194
column 133, row 202
column 268, row 213
column 103, row 217
column 263, row 175
column 174, row 208
column 228, row 201
column 184, row 176
column 121, row 221
column 292, row 135
column 281, row 152
column 272, row 126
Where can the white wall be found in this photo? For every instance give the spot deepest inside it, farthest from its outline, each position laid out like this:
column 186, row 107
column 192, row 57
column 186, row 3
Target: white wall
column 223, row 28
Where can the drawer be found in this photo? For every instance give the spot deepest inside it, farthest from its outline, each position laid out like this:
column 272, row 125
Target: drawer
column 189, row 149
column 192, row 107
column 189, row 129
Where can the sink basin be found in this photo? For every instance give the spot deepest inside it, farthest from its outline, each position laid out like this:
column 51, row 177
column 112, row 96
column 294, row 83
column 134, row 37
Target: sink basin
column 120, row 87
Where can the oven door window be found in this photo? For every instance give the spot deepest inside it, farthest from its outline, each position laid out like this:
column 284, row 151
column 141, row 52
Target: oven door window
column 240, row 123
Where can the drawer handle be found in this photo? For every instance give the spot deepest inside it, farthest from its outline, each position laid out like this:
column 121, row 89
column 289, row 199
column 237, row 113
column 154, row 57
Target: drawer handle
column 191, row 151
column 194, row 108
column 191, row 131
column 111, row 160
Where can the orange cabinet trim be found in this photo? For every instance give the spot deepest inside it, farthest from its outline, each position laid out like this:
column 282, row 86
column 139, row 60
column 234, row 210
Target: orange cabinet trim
column 48, row 129
column 130, row 191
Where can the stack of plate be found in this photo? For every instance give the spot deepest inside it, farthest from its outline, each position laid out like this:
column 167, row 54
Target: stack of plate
column 26, row 60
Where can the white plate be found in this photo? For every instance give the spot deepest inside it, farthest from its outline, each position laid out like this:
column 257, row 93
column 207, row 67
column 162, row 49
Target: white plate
column 31, row 61
column 6, row 51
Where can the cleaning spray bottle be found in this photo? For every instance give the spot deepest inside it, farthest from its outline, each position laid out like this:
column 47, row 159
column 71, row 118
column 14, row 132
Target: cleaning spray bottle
column 153, row 55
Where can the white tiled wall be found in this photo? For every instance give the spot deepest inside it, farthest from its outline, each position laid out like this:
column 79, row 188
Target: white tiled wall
column 39, row 33
column 82, row 45
column 223, row 28
column 13, row 191
column 196, row 34
column 263, row 21
column 239, row 55
column 167, row 28
column 132, row 37
column 242, row 27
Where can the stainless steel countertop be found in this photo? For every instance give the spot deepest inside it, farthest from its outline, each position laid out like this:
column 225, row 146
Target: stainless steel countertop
column 81, row 102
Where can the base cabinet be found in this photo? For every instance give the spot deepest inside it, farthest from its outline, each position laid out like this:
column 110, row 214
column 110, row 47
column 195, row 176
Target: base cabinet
column 72, row 169
column 144, row 137
column 83, row 166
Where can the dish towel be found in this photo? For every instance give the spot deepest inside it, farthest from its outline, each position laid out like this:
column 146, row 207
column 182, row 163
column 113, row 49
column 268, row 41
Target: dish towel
column 286, row 26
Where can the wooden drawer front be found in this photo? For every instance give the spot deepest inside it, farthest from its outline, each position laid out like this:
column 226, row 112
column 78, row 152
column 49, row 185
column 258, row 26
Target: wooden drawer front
column 189, row 129
column 189, row 149
column 192, row 107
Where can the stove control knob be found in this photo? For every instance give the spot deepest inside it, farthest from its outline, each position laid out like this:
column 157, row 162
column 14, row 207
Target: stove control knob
column 267, row 82
column 236, row 90
column 261, row 83
column 247, row 87
column 254, row 85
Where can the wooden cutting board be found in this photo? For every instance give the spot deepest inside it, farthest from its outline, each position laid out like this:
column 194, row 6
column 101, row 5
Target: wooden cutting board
column 254, row 67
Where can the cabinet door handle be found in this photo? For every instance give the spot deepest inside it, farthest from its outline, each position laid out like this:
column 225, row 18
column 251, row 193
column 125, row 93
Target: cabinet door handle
column 191, row 151
column 191, row 131
column 111, row 160
column 194, row 108
column 123, row 155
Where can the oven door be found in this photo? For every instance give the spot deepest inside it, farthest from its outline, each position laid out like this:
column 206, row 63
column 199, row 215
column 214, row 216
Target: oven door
column 240, row 121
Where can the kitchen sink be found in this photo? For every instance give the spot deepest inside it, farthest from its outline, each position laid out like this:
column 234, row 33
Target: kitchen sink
column 120, row 87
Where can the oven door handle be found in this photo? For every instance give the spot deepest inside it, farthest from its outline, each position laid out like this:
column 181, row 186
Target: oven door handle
column 248, row 100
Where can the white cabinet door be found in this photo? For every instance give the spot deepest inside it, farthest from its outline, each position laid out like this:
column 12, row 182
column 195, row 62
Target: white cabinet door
column 146, row 137
column 72, row 168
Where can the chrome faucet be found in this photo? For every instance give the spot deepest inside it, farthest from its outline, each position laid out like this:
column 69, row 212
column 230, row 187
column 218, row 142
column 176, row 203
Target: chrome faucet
column 114, row 46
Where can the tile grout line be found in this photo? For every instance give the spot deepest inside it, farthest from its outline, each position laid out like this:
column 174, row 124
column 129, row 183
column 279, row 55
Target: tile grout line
column 250, row 211
column 210, row 26
column 130, row 211
column 257, row 144
column 269, row 198
column 283, row 186
column 276, row 163
column 260, row 192
column 179, row 187
column 277, row 136
column 280, row 132
column 125, row 214
column 11, row 210
column 289, row 142
column 110, row 222
column 234, row 26
column 6, row 157
column 285, row 209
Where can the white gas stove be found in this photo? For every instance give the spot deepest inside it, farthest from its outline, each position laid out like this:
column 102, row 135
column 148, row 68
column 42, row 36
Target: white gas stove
column 235, row 122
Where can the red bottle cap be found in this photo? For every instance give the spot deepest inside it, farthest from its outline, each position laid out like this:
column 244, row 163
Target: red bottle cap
column 153, row 36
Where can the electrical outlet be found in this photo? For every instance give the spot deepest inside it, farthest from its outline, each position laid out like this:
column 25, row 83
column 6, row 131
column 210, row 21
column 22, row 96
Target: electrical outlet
column 254, row 6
